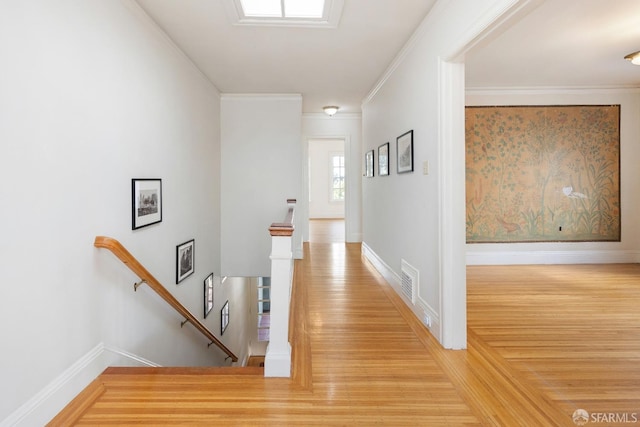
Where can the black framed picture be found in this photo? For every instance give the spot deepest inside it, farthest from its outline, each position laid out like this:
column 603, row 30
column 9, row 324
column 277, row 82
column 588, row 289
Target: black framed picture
column 383, row 159
column 208, row 295
column 146, row 202
column 224, row 317
column 368, row 164
column 404, row 146
column 185, row 257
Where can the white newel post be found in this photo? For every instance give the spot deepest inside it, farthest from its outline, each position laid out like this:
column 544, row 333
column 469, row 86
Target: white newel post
column 278, row 358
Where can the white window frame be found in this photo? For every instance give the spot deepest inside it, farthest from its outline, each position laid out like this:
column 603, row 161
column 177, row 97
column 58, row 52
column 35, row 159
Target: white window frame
column 330, row 19
column 333, row 155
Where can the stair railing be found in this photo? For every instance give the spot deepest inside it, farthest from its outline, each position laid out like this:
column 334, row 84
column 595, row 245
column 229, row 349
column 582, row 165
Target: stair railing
column 146, row 278
column 277, row 361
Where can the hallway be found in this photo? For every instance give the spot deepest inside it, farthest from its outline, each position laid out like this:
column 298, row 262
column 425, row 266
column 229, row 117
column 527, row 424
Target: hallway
column 326, row 231
column 360, row 357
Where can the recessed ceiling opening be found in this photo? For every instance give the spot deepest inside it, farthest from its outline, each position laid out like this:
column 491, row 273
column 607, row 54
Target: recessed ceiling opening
column 283, row 8
column 296, row 13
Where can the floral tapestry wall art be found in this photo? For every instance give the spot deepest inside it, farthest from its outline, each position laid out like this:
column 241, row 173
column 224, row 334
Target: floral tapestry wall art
column 543, row 173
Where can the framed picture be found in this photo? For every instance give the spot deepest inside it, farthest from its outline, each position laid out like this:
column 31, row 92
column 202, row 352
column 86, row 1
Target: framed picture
column 405, row 152
column 224, row 317
column 185, row 257
column 208, row 295
column 383, row 159
column 146, row 202
column 368, row 164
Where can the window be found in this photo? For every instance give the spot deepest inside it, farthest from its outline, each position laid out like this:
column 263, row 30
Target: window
column 296, row 13
column 336, row 173
column 264, row 308
column 283, row 8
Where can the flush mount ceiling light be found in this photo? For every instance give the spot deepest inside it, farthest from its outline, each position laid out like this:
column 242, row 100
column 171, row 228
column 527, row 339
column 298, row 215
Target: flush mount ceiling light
column 634, row 58
column 330, row 109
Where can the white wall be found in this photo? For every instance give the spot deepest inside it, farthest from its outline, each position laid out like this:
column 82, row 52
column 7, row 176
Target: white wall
column 417, row 217
column 261, row 168
column 242, row 326
column 321, row 152
column 93, row 95
column 349, row 128
column 627, row 249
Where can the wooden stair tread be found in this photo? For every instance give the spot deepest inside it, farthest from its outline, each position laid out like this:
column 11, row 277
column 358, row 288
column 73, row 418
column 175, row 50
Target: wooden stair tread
column 79, row 405
column 186, row 370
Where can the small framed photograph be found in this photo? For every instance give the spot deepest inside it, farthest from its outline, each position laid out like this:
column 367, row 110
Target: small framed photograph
column 185, row 257
column 208, row 295
column 383, row 159
column 368, row 164
column 405, row 152
column 146, row 202
column 224, row 317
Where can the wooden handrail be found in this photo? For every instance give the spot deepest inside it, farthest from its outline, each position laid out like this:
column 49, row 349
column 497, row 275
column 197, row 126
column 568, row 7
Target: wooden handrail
column 286, row 227
column 130, row 261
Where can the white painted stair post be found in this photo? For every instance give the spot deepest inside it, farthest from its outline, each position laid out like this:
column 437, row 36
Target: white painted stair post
column 277, row 361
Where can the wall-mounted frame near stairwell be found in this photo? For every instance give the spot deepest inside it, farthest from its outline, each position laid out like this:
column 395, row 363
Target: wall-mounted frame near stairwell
column 404, row 152
column 146, row 202
column 185, row 260
column 224, row 317
column 383, row 159
column 369, row 164
column 208, row 295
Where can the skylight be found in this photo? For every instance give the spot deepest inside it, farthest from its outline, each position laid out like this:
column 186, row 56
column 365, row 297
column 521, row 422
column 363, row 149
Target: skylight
column 283, row 8
column 261, row 8
column 295, row 13
column 303, row 8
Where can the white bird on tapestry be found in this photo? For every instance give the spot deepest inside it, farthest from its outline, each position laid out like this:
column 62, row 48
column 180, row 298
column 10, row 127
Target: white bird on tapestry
column 568, row 191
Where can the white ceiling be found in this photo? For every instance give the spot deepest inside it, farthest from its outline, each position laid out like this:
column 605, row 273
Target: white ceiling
column 561, row 43
column 327, row 66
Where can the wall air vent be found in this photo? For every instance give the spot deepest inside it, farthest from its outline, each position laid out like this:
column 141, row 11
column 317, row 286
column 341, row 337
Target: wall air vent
column 409, row 277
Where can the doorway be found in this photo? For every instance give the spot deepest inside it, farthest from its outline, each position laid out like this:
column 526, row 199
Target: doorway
column 327, row 190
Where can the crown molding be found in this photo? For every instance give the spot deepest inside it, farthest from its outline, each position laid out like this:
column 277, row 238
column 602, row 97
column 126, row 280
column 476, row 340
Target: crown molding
column 552, row 90
column 337, row 116
column 281, row 96
column 473, row 35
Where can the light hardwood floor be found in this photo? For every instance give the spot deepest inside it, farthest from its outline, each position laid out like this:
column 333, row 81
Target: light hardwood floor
column 326, row 231
column 543, row 342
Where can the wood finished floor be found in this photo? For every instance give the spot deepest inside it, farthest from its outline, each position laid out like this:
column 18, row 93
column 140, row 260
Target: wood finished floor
column 326, row 231
column 543, row 342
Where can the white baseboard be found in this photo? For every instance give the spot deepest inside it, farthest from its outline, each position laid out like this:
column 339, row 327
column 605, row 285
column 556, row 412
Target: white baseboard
column 130, row 359
column 393, row 279
column 552, row 257
column 47, row 403
column 383, row 268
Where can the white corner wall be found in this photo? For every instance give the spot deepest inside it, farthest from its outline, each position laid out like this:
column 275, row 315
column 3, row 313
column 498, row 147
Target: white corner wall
column 93, row 95
column 348, row 127
column 627, row 250
column 242, row 325
column 261, row 168
column 416, row 217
